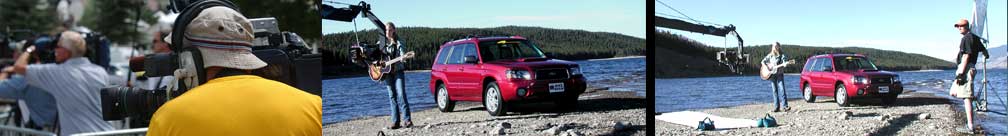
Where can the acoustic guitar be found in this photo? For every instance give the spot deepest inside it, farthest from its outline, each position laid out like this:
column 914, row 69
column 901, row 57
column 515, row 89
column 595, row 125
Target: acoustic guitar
column 765, row 70
column 378, row 69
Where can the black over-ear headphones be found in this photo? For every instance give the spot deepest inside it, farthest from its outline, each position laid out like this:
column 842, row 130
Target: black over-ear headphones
column 184, row 18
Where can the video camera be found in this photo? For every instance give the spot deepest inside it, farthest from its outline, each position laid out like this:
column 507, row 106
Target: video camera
column 289, row 60
column 363, row 53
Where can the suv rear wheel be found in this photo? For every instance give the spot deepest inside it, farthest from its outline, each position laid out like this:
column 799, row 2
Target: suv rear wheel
column 807, row 91
column 841, row 95
column 492, row 99
column 444, row 104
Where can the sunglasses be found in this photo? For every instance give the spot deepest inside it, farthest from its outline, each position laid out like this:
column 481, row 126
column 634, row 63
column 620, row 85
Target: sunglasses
column 959, row 25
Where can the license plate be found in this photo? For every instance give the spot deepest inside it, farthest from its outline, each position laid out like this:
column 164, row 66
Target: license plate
column 883, row 89
column 556, row 87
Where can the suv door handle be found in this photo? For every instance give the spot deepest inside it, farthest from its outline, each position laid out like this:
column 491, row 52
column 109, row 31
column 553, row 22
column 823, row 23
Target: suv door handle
column 461, row 69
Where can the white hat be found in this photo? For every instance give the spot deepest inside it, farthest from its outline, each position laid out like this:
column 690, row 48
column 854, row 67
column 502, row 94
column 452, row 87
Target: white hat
column 224, row 39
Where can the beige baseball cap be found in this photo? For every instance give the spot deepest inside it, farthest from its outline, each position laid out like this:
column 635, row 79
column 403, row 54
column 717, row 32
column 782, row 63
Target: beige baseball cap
column 224, row 39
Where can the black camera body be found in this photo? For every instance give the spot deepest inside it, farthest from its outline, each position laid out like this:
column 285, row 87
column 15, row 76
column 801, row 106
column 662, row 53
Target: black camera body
column 289, row 60
column 363, row 53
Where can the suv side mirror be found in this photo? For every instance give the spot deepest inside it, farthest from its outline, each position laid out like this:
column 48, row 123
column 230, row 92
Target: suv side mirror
column 550, row 55
column 470, row 59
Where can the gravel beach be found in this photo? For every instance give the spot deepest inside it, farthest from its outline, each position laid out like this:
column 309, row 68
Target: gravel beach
column 599, row 112
column 915, row 113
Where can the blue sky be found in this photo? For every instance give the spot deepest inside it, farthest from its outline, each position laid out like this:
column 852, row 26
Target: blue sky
column 915, row 26
column 625, row 17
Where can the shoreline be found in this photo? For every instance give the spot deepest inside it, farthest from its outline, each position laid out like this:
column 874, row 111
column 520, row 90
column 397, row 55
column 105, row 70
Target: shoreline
column 599, row 112
column 792, row 73
column 824, row 117
column 615, row 58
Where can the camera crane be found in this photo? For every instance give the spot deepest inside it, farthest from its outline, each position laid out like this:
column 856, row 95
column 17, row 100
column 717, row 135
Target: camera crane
column 362, row 54
column 349, row 13
column 733, row 59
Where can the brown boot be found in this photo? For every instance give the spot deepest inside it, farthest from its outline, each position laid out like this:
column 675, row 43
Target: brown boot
column 408, row 124
column 394, row 126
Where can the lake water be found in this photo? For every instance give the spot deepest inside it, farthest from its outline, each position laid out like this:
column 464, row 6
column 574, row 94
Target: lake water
column 347, row 98
column 679, row 94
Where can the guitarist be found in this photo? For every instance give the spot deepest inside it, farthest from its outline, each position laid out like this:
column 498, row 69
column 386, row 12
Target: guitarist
column 771, row 62
column 396, row 79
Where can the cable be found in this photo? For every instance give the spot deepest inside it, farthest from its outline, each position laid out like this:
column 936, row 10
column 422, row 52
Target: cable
column 334, row 2
column 677, row 11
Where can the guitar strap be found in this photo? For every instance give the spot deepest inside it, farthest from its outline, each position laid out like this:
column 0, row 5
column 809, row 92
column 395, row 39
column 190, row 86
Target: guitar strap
column 780, row 60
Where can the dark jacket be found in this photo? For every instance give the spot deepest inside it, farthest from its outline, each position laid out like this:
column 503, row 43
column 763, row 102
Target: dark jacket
column 394, row 51
column 971, row 45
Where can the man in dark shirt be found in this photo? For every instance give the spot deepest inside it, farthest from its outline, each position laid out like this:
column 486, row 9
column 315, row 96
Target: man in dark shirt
column 969, row 48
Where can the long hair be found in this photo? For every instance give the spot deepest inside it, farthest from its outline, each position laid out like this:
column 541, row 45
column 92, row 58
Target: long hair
column 395, row 34
column 775, row 48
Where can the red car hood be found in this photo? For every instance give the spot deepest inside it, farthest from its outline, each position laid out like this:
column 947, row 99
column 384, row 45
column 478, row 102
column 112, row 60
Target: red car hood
column 533, row 63
column 869, row 73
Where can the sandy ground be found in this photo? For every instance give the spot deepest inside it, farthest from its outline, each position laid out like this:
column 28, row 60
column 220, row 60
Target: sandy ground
column 599, row 112
column 824, row 117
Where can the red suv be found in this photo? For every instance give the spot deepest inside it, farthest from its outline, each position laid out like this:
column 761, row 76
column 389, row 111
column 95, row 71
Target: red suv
column 501, row 70
column 845, row 76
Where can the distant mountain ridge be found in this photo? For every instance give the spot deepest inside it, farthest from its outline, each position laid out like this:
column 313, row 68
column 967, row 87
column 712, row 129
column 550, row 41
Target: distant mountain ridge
column 998, row 57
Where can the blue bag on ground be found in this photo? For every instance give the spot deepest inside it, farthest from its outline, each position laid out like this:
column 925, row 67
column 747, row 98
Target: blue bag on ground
column 706, row 124
column 767, row 121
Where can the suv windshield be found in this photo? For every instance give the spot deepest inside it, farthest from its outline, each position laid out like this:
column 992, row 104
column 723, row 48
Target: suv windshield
column 508, row 50
column 854, row 63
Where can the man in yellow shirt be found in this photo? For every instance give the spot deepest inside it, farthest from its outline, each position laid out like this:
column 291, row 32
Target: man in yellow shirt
column 234, row 102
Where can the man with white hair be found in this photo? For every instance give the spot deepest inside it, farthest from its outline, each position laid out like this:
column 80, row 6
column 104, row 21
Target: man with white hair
column 75, row 81
column 233, row 101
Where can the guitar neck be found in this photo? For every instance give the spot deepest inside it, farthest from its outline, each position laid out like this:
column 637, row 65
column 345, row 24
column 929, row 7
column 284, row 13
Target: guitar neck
column 782, row 65
column 400, row 58
column 392, row 61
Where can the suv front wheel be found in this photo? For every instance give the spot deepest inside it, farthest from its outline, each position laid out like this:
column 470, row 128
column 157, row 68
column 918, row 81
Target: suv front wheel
column 492, row 99
column 567, row 103
column 889, row 98
column 841, row 95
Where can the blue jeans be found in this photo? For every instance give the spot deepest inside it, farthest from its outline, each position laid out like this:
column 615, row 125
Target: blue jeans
column 397, row 93
column 778, row 91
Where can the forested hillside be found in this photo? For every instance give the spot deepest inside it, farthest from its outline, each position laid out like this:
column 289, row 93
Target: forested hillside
column 564, row 43
column 703, row 63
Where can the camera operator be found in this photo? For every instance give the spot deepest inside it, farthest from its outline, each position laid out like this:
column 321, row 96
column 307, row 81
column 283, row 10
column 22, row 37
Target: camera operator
column 39, row 104
column 75, row 80
column 160, row 48
column 233, row 101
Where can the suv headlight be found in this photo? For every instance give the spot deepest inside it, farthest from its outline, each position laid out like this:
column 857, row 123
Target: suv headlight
column 519, row 74
column 896, row 79
column 575, row 71
column 859, row 79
